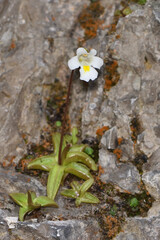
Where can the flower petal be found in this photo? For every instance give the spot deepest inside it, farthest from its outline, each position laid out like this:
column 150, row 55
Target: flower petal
column 93, row 52
column 73, row 63
column 86, row 76
column 81, row 51
column 97, row 62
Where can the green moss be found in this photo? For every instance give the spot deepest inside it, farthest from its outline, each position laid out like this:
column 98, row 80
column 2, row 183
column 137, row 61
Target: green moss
column 127, row 11
column 89, row 151
column 138, row 204
column 58, row 123
column 113, row 210
column 142, row 2
column 133, row 202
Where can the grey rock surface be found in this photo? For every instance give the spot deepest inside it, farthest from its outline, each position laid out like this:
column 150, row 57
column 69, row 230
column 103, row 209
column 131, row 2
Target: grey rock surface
column 138, row 58
column 109, row 139
column 151, row 174
column 34, row 51
column 152, row 183
column 140, row 228
column 63, row 230
column 124, row 175
column 138, row 54
column 36, row 40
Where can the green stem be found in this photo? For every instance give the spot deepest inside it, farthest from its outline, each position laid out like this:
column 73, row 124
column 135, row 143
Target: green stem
column 64, row 119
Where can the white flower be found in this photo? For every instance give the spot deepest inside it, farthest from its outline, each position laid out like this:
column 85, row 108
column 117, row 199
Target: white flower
column 87, row 62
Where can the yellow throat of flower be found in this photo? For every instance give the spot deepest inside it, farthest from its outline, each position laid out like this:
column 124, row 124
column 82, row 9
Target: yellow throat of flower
column 86, row 68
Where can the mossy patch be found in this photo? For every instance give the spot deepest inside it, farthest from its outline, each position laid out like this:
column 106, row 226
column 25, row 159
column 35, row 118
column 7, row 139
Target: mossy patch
column 136, row 128
column 89, row 19
column 56, row 104
column 44, row 147
column 111, row 74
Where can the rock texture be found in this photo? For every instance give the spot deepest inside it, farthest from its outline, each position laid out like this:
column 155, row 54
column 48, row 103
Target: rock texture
column 141, row 228
column 138, row 53
column 36, row 40
column 63, row 230
column 34, row 51
column 123, row 175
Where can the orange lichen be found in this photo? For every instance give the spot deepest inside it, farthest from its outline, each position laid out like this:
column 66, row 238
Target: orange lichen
column 46, row 144
column 112, row 225
column 113, row 27
column 13, row 45
column 98, row 180
column 89, row 19
column 118, row 36
column 101, row 170
column 118, row 153
column 125, row 191
column 11, row 162
column 102, row 130
column 4, row 164
column 28, row 179
column 24, row 164
column 60, row 217
column 112, row 76
column 120, row 141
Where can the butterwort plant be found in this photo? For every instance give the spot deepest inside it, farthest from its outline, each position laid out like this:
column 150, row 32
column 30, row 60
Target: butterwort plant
column 68, row 157
column 79, row 192
column 73, row 161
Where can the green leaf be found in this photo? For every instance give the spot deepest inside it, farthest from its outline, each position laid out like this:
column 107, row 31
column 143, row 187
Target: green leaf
column 69, row 193
column 19, row 198
column 31, row 197
column 78, row 170
column 77, row 148
column 80, row 157
column 23, row 212
column 74, row 135
column 78, row 201
column 75, row 185
column 64, row 153
column 54, row 180
column 89, row 150
column 43, row 163
column 67, row 139
column 56, row 142
column 64, row 177
column 86, row 185
column 45, row 202
column 89, row 198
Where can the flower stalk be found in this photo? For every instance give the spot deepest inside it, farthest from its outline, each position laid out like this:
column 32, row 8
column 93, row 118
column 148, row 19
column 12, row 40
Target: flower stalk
column 64, row 118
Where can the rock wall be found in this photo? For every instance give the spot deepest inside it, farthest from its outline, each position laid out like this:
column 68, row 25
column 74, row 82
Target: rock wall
column 34, row 51
column 36, row 40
